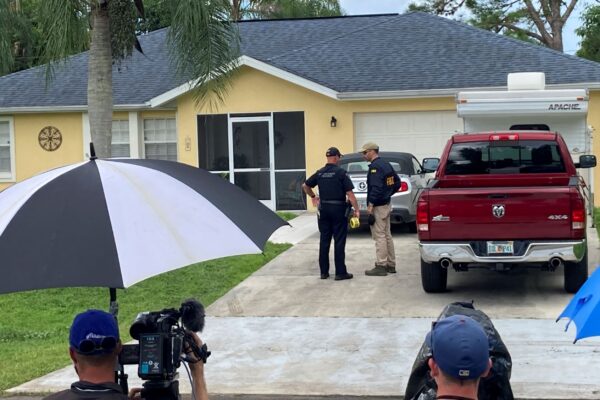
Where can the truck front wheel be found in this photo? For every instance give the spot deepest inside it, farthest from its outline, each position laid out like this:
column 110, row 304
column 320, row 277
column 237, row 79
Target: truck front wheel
column 576, row 274
column 433, row 277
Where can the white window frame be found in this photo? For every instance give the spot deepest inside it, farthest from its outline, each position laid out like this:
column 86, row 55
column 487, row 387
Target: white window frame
column 10, row 176
column 128, row 134
column 144, row 141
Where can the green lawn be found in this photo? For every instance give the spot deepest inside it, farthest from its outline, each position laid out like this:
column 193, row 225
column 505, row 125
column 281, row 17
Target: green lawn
column 286, row 215
column 34, row 325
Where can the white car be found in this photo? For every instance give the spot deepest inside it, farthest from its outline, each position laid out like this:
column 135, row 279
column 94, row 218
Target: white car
column 412, row 175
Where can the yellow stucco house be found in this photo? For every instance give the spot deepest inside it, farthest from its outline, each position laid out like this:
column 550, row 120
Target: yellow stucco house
column 303, row 85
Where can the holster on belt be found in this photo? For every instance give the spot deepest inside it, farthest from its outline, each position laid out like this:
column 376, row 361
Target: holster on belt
column 348, row 210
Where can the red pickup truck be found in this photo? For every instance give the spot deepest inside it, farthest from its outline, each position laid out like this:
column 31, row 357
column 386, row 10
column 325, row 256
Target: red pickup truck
column 504, row 200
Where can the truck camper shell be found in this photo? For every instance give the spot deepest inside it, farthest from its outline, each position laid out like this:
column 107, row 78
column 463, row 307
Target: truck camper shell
column 527, row 102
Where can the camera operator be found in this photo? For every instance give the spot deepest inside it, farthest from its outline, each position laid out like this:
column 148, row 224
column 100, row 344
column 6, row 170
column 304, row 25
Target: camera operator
column 94, row 349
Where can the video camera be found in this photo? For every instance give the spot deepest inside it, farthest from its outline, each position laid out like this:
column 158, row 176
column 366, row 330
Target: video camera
column 163, row 337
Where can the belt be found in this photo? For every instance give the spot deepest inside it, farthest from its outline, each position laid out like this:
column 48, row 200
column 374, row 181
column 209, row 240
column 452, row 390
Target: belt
column 334, row 202
column 380, row 205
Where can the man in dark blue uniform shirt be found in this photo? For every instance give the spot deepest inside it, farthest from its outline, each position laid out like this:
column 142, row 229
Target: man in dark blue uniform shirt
column 382, row 183
column 335, row 190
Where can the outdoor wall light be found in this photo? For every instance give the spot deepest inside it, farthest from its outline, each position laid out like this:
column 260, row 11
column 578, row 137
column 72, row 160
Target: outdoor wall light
column 333, row 122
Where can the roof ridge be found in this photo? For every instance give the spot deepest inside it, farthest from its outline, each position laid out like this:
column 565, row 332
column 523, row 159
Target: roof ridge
column 335, row 37
column 313, row 18
column 159, row 30
column 505, row 37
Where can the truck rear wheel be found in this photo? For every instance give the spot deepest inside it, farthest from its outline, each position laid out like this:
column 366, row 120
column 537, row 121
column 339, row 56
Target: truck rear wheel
column 576, row 274
column 433, row 277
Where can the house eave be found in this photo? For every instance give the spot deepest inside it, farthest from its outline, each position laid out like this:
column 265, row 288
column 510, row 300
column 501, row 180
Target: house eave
column 428, row 93
column 67, row 109
column 396, row 94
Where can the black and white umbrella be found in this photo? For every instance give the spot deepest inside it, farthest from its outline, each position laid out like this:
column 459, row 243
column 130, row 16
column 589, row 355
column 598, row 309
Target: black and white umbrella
column 114, row 222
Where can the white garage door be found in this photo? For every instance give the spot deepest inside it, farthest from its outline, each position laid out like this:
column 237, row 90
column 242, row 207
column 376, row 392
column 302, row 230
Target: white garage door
column 422, row 133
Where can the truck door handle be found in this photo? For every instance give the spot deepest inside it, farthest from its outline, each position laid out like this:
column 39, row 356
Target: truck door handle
column 497, row 196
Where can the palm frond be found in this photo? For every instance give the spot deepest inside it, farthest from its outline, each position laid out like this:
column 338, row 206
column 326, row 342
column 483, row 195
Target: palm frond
column 7, row 18
column 66, row 27
column 205, row 46
column 123, row 18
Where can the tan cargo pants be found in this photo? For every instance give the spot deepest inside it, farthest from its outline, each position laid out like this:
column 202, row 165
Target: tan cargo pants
column 381, row 233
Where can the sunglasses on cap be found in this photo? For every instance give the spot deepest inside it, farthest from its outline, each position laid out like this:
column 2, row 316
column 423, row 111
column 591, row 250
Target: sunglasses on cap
column 89, row 346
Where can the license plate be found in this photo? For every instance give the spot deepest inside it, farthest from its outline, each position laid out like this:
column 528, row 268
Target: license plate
column 362, row 203
column 500, row 248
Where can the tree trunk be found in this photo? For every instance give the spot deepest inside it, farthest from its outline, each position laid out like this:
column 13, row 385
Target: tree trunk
column 100, row 100
column 236, row 7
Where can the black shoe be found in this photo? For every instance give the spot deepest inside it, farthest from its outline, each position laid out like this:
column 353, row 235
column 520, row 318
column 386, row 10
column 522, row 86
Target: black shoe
column 324, row 276
column 344, row 276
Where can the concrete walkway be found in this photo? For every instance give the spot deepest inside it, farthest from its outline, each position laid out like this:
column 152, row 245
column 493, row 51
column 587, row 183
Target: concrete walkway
column 283, row 331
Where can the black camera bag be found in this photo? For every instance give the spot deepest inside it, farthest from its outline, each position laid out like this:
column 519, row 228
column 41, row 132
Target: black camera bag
column 494, row 387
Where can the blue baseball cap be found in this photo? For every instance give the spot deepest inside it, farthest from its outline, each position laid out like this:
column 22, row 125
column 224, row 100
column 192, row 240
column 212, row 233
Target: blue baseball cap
column 459, row 346
column 94, row 332
column 333, row 151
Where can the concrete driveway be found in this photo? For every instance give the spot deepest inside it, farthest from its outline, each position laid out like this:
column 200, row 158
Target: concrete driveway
column 290, row 286
column 283, row 331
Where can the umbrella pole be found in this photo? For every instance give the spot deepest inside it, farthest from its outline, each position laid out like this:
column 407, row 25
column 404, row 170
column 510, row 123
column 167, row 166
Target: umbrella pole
column 113, row 306
column 120, row 375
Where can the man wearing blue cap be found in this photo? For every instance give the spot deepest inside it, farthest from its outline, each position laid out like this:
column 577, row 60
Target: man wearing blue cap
column 94, row 347
column 459, row 357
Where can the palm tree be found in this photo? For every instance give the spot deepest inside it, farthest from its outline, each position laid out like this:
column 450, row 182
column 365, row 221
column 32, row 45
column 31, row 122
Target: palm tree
column 204, row 46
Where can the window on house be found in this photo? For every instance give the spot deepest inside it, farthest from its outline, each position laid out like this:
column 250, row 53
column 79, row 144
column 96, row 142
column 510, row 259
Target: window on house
column 160, row 139
column 213, row 142
column 120, row 139
column 290, row 167
column 6, row 152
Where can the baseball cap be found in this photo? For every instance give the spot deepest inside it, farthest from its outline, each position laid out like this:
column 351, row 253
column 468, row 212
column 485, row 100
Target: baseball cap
column 369, row 146
column 332, row 152
column 459, row 347
column 94, row 332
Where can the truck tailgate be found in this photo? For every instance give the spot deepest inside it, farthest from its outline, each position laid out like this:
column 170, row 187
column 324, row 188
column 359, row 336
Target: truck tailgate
column 500, row 213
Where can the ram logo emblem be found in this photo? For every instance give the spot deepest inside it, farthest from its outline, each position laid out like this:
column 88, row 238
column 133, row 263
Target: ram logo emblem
column 498, row 210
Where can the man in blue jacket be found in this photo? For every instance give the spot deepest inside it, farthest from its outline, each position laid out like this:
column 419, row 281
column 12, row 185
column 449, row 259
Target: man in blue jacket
column 382, row 183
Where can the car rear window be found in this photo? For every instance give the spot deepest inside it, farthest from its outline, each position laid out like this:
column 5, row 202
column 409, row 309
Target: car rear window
column 505, row 157
column 401, row 166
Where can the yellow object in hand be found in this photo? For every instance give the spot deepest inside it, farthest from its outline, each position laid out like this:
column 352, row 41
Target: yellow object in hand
column 354, row 222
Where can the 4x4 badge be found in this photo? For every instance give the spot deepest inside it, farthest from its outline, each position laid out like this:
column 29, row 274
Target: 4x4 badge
column 498, row 210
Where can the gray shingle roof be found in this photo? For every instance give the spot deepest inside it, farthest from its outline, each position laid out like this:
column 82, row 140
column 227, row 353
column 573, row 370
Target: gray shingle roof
column 413, row 51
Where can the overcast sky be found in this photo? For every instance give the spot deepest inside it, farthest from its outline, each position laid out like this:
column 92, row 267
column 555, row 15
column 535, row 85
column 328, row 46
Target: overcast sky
column 357, row 7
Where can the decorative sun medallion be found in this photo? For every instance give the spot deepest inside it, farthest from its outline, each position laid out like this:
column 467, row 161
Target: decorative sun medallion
column 50, row 138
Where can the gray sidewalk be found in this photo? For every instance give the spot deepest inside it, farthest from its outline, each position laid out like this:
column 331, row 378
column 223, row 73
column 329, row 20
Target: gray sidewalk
column 283, row 331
